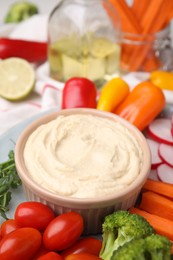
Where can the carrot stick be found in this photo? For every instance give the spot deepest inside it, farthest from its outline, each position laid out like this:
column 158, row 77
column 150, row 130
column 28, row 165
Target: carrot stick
column 111, row 12
column 161, row 225
column 157, row 204
column 151, row 22
column 162, row 188
column 140, row 7
column 128, row 20
column 148, row 18
column 162, row 20
column 151, row 63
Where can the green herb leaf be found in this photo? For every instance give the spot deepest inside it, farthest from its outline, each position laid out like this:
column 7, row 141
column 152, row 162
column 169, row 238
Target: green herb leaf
column 9, row 179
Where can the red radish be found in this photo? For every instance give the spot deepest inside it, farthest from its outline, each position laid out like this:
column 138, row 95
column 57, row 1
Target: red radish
column 166, row 153
column 165, row 173
column 153, row 175
column 155, row 158
column 160, row 130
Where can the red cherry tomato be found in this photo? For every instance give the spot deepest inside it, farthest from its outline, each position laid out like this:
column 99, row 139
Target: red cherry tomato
column 20, row 244
column 50, row 256
column 8, row 226
column 42, row 251
column 82, row 256
column 33, row 214
column 63, row 231
column 89, row 245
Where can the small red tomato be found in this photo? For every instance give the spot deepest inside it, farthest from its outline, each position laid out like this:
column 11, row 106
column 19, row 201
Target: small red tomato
column 8, row 226
column 33, row 214
column 88, row 245
column 82, row 256
column 50, row 256
column 63, row 231
column 22, row 243
column 42, row 251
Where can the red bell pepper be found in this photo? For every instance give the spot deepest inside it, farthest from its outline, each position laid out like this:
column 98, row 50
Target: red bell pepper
column 79, row 92
column 32, row 51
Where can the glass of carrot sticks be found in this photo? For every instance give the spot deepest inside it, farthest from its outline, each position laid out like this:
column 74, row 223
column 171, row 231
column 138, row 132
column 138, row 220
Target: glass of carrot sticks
column 146, row 34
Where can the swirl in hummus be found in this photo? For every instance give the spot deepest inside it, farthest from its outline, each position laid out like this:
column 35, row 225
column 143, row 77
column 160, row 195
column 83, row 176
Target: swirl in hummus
column 83, row 156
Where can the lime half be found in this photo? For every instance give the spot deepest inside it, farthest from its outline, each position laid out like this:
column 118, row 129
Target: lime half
column 17, row 78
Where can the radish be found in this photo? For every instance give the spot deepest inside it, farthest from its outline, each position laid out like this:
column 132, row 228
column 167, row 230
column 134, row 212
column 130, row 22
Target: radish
column 160, row 130
column 155, row 158
column 165, row 173
column 166, row 153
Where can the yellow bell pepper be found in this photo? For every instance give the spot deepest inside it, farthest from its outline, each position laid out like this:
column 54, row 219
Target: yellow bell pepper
column 112, row 94
column 162, row 79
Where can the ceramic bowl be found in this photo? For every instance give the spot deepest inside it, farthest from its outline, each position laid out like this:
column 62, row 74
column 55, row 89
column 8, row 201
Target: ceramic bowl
column 94, row 209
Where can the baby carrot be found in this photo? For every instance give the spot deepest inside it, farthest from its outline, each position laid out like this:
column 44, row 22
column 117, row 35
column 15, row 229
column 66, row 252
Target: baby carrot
column 159, row 187
column 161, row 225
column 157, row 204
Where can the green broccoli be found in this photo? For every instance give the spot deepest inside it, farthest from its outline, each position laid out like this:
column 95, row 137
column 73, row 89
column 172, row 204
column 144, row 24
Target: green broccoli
column 20, row 11
column 159, row 247
column 153, row 247
column 121, row 227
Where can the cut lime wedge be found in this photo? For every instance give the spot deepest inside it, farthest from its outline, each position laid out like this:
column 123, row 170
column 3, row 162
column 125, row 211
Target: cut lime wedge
column 17, row 78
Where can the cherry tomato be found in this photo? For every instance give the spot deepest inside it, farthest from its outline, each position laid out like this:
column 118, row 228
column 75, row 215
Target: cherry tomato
column 8, row 226
column 50, row 256
column 89, row 245
column 33, row 214
column 42, row 251
column 63, row 231
column 82, row 256
column 20, row 244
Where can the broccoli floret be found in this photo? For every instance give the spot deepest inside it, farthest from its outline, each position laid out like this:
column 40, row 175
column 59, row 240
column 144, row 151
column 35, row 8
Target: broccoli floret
column 133, row 250
column 20, row 11
column 121, row 227
column 153, row 247
column 159, row 247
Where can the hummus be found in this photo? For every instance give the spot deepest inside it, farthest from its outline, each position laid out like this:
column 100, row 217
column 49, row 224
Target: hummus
column 83, row 156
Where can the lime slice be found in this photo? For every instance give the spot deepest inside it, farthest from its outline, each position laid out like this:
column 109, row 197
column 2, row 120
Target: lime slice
column 17, row 78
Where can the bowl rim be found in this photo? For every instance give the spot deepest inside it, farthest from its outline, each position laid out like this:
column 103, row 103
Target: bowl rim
column 134, row 187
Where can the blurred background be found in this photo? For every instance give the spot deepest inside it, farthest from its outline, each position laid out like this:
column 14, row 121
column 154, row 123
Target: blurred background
column 45, row 6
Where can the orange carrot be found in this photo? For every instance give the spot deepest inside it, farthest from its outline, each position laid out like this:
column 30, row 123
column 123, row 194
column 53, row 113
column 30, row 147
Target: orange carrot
column 151, row 22
column 148, row 18
column 161, row 225
column 157, row 204
column 151, row 62
column 140, row 7
column 162, row 20
column 128, row 20
column 162, row 188
column 143, row 18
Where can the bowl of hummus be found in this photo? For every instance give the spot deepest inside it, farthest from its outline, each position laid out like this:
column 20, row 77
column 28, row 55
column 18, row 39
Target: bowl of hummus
column 83, row 160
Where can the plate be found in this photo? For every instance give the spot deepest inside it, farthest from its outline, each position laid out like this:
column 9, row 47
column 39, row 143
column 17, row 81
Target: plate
column 7, row 143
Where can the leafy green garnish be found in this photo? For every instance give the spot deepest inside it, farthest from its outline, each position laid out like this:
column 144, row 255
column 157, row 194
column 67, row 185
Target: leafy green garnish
column 8, row 179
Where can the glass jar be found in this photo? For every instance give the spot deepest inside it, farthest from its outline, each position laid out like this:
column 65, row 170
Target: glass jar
column 146, row 52
column 83, row 41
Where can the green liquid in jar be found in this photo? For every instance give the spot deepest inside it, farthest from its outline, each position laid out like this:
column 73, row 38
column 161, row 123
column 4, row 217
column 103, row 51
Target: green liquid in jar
column 91, row 57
